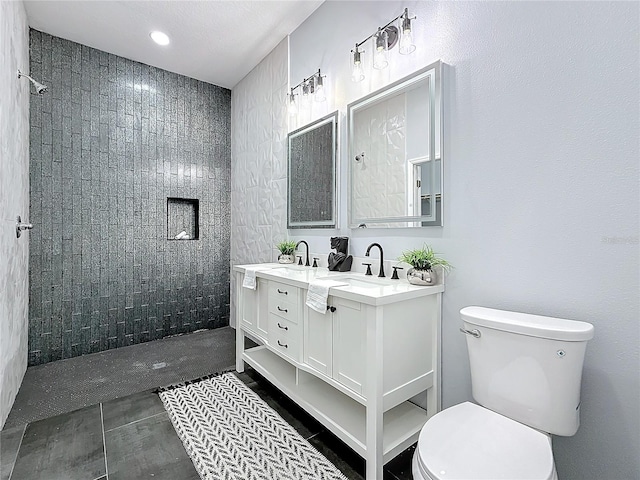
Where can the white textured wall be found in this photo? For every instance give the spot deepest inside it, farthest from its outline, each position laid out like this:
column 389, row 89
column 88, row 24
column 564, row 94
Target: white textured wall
column 14, row 201
column 541, row 182
column 259, row 161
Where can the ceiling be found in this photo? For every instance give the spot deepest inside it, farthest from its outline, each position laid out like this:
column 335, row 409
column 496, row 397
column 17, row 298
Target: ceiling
column 214, row 41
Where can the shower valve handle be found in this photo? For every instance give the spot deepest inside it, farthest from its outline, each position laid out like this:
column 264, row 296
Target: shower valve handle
column 22, row 226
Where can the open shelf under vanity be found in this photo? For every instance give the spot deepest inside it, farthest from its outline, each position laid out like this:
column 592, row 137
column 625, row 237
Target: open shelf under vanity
column 342, row 415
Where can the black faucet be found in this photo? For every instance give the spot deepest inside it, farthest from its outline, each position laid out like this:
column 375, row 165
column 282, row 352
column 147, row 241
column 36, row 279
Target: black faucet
column 307, row 264
column 381, row 274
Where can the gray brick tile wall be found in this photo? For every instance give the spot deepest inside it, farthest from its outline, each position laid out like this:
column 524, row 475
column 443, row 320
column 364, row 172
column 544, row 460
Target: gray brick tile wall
column 110, row 142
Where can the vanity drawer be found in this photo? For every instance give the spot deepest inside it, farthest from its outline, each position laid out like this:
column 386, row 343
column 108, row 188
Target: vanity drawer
column 284, row 308
column 283, row 336
column 282, row 291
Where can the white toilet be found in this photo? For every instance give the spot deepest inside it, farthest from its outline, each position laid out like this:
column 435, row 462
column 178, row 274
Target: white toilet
column 526, row 372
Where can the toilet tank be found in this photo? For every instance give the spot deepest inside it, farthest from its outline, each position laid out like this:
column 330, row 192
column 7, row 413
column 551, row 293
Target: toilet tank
column 528, row 367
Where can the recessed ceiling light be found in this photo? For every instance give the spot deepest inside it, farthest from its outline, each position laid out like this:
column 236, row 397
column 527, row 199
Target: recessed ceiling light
column 159, row 37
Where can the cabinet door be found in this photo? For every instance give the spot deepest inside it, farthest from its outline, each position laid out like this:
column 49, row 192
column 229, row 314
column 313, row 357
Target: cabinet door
column 249, row 307
column 253, row 308
column 318, row 339
column 349, row 337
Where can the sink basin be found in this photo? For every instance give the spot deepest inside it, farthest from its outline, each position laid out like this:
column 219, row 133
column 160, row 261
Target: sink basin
column 295, row 271
column 361, row 283
column 356, row 281
column 293, row 268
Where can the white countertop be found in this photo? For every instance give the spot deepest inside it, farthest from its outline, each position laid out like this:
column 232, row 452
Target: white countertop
column 361, row 288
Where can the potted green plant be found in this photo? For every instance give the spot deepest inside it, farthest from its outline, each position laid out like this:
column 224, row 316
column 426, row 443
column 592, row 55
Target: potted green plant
column 287, row 249
column 423, row 262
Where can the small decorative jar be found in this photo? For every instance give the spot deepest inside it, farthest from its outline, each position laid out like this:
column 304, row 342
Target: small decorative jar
column 283, row 258
column 422, row 277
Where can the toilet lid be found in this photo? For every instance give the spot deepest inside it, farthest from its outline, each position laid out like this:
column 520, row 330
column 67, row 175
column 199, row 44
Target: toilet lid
column 469, row 442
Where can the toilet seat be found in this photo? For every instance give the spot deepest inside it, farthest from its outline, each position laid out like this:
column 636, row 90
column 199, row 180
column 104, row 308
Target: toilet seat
column 469, row 442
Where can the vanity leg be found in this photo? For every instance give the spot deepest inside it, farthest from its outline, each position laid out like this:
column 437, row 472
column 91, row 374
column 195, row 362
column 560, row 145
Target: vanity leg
column 239, row 349
column 239, row 332
column 373, row 389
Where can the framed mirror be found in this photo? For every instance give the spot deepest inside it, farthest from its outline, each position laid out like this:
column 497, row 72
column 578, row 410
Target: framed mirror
column 395, row 154
column 311, row 179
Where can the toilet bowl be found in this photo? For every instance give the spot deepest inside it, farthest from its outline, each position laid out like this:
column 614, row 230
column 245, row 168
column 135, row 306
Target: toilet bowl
column 526, row 372
column 470, row 442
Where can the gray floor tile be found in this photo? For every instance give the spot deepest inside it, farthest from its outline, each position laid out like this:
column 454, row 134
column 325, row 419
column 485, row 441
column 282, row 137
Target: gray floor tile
column 9, row 443
column 65, row 447
column 149, row 448
column 66, row 385
column 119, row 412
column 400, row 466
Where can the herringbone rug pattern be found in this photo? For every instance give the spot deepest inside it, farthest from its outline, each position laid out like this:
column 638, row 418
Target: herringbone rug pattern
column 231, row 434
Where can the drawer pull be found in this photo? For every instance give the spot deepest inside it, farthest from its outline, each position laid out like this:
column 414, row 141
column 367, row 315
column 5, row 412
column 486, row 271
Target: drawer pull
column 332, row 308
column 284, row 328
column 284, row 292
column 283, row 344
column 282, row 309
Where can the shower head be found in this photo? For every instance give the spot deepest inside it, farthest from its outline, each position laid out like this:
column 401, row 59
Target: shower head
column 40, row 88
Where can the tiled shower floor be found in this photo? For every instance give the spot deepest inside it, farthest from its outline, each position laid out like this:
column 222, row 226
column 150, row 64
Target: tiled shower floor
column 131, row 437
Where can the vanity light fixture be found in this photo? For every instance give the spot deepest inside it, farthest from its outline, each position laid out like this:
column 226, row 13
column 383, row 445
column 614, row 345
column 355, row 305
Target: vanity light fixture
column 382, row 47
column 306, row 89
column 159, row 37
column 292, row 105
column 313, row 85
column 384, row 39
column 357, row 75
column 406, row 37
column 318, row 88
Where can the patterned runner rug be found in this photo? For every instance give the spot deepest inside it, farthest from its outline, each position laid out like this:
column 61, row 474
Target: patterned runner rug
column 231, row 433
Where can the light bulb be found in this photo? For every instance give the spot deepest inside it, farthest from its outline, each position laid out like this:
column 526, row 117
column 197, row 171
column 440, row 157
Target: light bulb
column 357, row 75
column 406, row 37
column 159, row 37
column 380, row 56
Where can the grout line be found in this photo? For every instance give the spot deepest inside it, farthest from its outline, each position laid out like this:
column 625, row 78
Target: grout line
column 314, row 435
column 389, row 473
column 136, row 421
column 18, row 451
column 104, row 444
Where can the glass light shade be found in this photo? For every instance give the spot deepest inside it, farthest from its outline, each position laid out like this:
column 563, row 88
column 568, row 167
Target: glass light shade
column 406, row 37
column 357, row 75
column 305, row 98
column 318, row 89
column 380, row 55
column 292, row 105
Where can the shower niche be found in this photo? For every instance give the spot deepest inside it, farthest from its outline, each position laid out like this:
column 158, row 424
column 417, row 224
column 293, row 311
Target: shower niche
column 183, row 218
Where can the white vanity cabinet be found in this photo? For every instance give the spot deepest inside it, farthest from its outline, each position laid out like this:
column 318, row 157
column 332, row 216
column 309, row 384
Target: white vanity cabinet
column 353, row 368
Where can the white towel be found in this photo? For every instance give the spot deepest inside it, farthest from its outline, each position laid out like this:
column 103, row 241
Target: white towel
column 318, row 293
column 249, row 280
